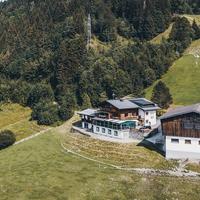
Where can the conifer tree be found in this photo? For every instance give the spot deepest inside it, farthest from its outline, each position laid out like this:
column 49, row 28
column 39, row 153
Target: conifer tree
column 86, row 103
column 182, row 33
column 161, row 95
column 196, row 30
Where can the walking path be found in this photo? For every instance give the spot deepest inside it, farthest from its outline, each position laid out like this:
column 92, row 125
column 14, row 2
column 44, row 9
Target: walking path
column 10, row 125
column 33, row 136
column 178, row 172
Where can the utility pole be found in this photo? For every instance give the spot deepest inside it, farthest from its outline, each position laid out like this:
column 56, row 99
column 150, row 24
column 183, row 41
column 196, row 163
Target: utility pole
column 89, row 31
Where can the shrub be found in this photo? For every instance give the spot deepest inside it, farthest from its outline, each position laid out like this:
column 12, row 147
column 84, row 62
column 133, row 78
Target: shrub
column 46, row 113
column 66, row 108
column 7, row 138
column 40, row 92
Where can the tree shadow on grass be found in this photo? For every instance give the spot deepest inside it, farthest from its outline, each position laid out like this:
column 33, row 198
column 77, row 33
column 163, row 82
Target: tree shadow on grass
column 149, row 145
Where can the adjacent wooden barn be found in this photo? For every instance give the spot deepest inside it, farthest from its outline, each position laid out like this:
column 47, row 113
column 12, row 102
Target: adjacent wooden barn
column 183, row 125
column 181, row 128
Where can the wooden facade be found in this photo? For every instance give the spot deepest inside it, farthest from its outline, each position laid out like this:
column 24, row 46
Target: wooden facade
column 187, row 125
column 123, row 114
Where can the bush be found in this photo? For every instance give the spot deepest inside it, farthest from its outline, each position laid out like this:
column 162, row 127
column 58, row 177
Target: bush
column 7, row 138
column 46, row 113
column 66, row 107
column 40, row 92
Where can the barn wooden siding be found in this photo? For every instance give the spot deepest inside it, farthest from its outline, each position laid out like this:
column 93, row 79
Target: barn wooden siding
column 187, row 125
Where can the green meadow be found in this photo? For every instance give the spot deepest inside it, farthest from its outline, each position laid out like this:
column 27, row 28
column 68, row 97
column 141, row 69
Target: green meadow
column 41, row 169
column 183, row 77
column 17, row 119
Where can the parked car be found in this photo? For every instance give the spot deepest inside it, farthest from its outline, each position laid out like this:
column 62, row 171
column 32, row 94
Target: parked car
column 145, row 128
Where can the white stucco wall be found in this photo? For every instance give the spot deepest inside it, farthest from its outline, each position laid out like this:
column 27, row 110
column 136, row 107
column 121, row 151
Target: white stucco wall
column 151, row 117
column 181, row 150
column 141, row 113
column 89, row 125
column 121, row 134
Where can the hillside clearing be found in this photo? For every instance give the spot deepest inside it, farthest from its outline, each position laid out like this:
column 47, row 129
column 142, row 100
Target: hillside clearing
column 165, row 35
column 191, row 18
column 17, row 119
column 183, row 78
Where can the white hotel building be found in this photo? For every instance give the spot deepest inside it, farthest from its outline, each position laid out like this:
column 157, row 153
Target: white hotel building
column 119, row 118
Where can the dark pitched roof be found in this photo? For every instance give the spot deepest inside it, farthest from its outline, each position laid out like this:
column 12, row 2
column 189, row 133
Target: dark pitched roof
column 181, row 111
column 122, row 104
column 133, row 103
column 142, row 102
column 145, row 104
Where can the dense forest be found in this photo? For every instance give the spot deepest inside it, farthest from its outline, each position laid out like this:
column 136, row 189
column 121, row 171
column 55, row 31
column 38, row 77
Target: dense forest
column 45, row 62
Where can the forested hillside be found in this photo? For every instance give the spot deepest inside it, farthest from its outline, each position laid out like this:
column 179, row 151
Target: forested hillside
column 46, row 64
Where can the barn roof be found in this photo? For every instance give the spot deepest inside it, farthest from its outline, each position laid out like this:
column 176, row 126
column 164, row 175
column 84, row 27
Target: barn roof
column 181, row 111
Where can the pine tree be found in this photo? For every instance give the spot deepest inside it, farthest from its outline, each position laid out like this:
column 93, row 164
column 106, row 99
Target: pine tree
column 196, row 30
column 161, row 95
column 86, row 103
column 182, row 33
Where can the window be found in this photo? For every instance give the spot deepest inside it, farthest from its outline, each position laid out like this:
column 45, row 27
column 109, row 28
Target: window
column 188, row 125
column 98, row 123
column 126, row 114
column 106, row 124
column 103, row 130
column 187, row 141
column 199, row 142
column 86, row 125
column 147, row 113
column 115, row 133
column 173, row 140
column 197, row 126
column 97, row 129
column 109, row 132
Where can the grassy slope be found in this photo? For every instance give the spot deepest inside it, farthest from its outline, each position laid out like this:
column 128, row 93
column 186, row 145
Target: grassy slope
column 183, row 78
column 16, row 118
column 164, row 35
column 41, row 170
column 126, row 155
column 191, row 18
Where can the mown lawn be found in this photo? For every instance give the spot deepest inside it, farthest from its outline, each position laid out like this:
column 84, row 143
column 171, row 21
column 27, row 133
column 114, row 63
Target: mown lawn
column 125, row 155
column 17, row 119
column 183, row 78
column 12, row 113
column 40, row 169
